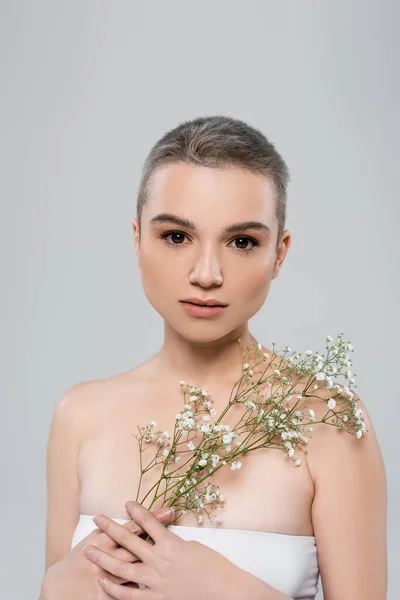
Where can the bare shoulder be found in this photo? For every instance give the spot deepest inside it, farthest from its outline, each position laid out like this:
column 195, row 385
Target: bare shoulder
column 349, row 510
column 89, row 403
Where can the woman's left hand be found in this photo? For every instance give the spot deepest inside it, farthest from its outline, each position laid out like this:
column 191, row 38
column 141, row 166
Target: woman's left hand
column 170, row 567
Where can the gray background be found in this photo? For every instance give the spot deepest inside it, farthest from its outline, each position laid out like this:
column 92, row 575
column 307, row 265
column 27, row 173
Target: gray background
column 86, row 88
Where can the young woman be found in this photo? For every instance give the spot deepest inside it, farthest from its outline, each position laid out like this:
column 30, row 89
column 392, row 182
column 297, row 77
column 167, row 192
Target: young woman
column 210, row 229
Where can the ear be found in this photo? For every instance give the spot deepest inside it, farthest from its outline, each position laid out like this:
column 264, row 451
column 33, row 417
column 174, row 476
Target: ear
column 135, row 227
column 282, row 251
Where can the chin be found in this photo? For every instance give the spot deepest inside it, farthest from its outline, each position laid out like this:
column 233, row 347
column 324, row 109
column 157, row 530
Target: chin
column 199, row 333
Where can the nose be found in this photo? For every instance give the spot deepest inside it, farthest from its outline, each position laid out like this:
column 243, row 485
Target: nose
column 207, row 269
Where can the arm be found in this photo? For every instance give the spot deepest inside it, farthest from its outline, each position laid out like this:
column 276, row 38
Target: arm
column 349, row 515
column 61, row 475
column 349, row 511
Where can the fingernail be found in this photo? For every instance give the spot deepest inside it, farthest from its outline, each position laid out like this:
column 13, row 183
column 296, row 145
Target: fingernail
column 130, row 505
column 166, row 512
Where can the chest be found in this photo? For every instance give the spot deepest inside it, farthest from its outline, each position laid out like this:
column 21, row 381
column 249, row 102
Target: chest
column 266, row 494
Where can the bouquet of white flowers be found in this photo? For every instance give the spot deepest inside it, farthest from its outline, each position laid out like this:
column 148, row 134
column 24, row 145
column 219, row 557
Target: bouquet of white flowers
column 268, row 421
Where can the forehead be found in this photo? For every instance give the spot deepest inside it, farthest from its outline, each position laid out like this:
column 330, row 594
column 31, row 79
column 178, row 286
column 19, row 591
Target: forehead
column 211, row 195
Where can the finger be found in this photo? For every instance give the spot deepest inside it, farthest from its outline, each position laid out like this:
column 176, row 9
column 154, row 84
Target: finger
column 126, row 555
column 120, row 592
column 164, row 514
column 127, row 571
column 147, row 521
column 115, row 566
column 139, row 547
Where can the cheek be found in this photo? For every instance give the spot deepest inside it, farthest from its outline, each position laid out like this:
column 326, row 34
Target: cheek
column 254, row 279
column 159, row 275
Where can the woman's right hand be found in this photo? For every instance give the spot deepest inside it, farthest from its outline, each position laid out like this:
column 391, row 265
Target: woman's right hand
column 76, row 577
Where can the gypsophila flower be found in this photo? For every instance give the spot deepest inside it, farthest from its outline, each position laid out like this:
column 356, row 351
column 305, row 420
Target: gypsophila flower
column 273, row 417
column 236, row 465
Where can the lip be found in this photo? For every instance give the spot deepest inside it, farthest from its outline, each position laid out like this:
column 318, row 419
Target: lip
column 208, row 302
column 202, row 311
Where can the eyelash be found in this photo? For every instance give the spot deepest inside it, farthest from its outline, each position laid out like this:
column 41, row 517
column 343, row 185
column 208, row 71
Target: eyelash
column 240, row 237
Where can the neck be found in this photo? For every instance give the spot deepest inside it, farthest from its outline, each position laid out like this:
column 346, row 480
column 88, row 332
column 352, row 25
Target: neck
column 199, row 363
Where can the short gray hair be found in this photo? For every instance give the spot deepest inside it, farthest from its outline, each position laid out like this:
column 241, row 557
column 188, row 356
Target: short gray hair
column 218, row 141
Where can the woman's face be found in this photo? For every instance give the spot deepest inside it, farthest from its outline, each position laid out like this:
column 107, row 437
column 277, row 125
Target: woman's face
column 234, row 267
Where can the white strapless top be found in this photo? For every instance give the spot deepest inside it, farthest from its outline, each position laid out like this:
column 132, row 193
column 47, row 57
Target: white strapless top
column 287, row 562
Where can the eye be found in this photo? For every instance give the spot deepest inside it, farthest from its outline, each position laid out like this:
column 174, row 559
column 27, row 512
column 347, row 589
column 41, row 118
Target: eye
column 244, row 240
column 177, row 235
column 177, row 239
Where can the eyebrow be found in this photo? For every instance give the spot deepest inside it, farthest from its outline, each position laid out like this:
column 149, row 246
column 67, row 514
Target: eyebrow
column 233, row 228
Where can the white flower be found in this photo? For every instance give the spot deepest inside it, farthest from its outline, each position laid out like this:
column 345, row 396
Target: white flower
column 182, row 383
column 204, row 428
column 245, row 366
column 227, row 438
column 331, row 403
column 166, row 435
column 259, row 346
column 250, row 404
column 265, row 355
column 297, row 462
column 329, row 338
column 320, row 376
column 329, row 382
column 236, row 465
column 203, row 462
column 192, row 398
column 359, row 433
column 308, row 353
column 190, row 445
column 153, row 423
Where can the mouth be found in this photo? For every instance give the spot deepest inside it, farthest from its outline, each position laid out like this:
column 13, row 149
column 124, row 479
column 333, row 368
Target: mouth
column 210, row 302
column 207, row 305
column 196, row 309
